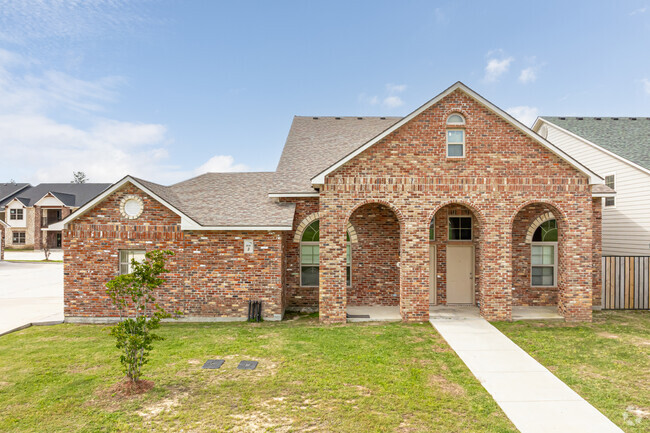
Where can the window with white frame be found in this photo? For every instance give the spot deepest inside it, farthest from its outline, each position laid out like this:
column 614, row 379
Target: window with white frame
column 126, row 266
column 310, row 255
column 610, row 181
column 18, row 238
column 16, row 214
column 455, row 137
column 543, row 254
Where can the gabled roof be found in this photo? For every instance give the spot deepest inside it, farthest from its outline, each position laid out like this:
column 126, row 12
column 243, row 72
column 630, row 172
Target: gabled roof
column 71, row 194
column 315, row 143
column 9, row 190
column 212, row 201
column 627, row 137
column 594, row 178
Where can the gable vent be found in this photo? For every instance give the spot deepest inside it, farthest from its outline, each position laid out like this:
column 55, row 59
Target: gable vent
column 359, row 118
column 315, row 118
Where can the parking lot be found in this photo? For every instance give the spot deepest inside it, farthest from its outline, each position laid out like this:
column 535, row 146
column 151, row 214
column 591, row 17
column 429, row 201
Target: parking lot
column 30, row 293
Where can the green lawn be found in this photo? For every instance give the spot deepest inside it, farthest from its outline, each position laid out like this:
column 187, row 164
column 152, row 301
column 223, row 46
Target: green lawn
column 606, row 362
column 353, row 378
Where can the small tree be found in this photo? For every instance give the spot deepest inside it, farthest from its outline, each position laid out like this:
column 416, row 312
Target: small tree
column 79, row 177
column 46, row 247
column 134, row 295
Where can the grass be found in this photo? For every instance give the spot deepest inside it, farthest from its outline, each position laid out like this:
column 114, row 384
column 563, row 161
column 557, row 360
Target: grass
column 352, row 378
column 607, row 362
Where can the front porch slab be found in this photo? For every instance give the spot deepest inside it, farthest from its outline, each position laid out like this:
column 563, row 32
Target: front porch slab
column 536, row 313
column 376, row 313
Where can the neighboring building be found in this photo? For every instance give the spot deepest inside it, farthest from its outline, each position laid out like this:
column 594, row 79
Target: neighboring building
column 3, row 226
column 456, row 203
column 29, row 211
column 9, row 190
column 618, row 149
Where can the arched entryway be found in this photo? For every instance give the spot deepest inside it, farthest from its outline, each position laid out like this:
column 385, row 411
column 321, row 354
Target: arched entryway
column 373, row 270
column 538, row 255
column 454, row 246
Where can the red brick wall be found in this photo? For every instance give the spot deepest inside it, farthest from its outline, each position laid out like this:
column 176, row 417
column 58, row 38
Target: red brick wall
column 209, row 276
column 503, row 170
column 375, row 274
column 597, row 251
column 298, row 298
column 2, row 242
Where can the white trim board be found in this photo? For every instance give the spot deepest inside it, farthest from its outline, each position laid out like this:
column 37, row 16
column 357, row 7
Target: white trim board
column 49, row 194
column 594, row 178
column 293, row 194
column 590, row 143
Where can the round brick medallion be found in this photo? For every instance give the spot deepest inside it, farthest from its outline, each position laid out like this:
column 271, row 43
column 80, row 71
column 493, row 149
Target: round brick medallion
column 131, row 207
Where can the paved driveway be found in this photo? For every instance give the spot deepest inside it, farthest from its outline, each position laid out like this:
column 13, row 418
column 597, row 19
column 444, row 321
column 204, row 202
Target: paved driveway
column 30, row 293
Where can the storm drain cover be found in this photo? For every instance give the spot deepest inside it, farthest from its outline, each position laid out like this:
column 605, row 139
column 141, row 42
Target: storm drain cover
column 247, row 365
column 213, row 364
column 358, row 316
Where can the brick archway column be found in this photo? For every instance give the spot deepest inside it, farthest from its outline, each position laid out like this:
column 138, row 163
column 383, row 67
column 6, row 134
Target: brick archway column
column 495, row 278
column 576, row 268
column 414, row 270
column 332, row 295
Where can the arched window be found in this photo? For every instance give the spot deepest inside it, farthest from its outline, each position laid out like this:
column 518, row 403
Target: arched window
column 455, row 136
column 309, row 256
column 544, row 255
column 455, row 119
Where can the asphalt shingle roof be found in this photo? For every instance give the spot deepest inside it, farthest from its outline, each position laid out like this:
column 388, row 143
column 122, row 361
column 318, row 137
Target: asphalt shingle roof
column 8, row 190
column 227, row 199
column 71, row 194
column 628, row 137
column 316, row 143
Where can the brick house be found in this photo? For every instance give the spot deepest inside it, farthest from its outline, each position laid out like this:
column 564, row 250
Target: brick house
column 456, row 203
column 29, row 211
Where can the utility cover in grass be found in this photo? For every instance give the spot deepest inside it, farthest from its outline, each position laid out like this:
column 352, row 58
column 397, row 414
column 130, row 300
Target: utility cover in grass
column 247, row 365
column 213, row 364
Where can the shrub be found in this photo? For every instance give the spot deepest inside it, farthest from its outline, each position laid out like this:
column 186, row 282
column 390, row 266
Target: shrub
column 134, row 296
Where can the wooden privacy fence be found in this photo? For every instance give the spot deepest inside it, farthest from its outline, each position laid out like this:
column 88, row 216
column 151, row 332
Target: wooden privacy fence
column 626, row 282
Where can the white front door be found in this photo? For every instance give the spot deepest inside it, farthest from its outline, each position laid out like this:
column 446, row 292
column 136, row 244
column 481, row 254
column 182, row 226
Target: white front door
column 460, row 274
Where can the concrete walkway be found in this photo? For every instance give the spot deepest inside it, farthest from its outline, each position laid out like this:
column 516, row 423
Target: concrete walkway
column 531, row 396
column 31, row 255
column 30, row 293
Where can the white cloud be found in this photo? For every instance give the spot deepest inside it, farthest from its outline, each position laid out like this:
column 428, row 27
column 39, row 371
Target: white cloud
column 639, row 11
column 524, row 114
column 646, row 85
column 392, row 102
column 395, row 88
column 39, row 147
column 528, row 75
column 496, row 67
column 220, row 164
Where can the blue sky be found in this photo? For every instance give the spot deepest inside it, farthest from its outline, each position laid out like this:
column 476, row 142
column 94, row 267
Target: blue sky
column 166, row 90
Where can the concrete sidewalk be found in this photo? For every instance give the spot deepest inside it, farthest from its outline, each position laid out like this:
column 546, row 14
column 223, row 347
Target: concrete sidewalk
column 531, row 396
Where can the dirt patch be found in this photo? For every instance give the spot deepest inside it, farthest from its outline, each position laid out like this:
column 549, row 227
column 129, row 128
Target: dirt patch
column 362, row 390
column 440, row 349
column 127, row 388
column 3, row 384
column 165, row 405
column 608, row 335
column 638, row 412
column 445, row 385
